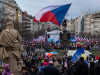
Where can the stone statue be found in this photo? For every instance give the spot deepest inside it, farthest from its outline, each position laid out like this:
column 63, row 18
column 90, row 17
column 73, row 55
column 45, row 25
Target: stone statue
column 11, row 48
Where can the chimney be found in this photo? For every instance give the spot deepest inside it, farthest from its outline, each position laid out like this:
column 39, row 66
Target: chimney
column 89, row 10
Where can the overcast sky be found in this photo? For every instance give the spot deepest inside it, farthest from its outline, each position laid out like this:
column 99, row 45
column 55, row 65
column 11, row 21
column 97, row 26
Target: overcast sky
column 78, row 6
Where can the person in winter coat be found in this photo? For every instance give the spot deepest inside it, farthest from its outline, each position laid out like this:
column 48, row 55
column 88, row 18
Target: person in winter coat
column 82, row 68
column 37, row 61
column 65, row 74
column 98, row 67
column 44, row 64
column 34, row 70
column 60, row 61
column 97, row 57
column 92, row 69
column 24, row 71
column 28, row 65
column 57, row 65
column 7, row 70
column 33, row 62
column 40, row 73
column 68, row 71
column 50, row 69
column 75, row 65
column 63, row 68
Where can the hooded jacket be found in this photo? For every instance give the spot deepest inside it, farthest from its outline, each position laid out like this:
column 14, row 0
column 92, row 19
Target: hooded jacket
column 36, row 70
column 6, row 71
column 97, row 57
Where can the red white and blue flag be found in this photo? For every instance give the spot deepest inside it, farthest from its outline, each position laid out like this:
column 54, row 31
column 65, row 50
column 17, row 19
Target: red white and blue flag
column 66, row 63
column 53, row 13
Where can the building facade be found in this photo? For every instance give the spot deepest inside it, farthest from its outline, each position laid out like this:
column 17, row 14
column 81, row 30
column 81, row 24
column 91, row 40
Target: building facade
column 92, row 23
column 70, row 25
column 76, row 24
column 27, row 25
column 95, row 24
column 2, row 16
column 87, row 23
column 10, row 11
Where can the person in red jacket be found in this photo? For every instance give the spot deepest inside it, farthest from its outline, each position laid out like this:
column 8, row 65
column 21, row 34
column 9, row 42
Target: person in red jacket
column 97, row 57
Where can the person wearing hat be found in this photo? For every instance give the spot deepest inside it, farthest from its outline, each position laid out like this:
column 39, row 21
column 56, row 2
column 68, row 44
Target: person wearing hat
column 44, row 64
column 7, row 70
column 82, row 68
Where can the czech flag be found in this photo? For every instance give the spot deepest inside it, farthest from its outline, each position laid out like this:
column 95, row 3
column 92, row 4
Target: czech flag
column 53, row 13
column 66, row 63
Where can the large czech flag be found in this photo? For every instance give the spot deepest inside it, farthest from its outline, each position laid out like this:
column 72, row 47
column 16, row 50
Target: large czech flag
column 53, row 13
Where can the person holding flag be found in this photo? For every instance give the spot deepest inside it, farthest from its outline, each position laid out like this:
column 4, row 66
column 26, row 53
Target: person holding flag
column 82, row 68
column 80, row 55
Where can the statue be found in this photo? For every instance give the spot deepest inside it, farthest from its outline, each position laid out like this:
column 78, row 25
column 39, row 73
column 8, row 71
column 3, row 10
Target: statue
column 11, row 48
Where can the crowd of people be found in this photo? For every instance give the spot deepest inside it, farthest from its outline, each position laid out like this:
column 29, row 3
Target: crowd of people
column 31, row 47
column 50, row 46
column 38, row 64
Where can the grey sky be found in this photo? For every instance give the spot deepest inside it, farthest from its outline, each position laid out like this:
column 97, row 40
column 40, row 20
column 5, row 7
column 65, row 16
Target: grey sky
column 78, row 6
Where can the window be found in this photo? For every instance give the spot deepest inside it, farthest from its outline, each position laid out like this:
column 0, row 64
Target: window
column 9, row 1
column 19, row 12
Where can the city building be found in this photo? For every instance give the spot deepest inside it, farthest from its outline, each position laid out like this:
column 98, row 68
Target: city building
column 90, row 23
column 39, row 26
column 27, row 24
column 76, row 24
column 1, row 15
column 70, row 25
column 87, row 23
column 95, row 24
column 10, row 11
